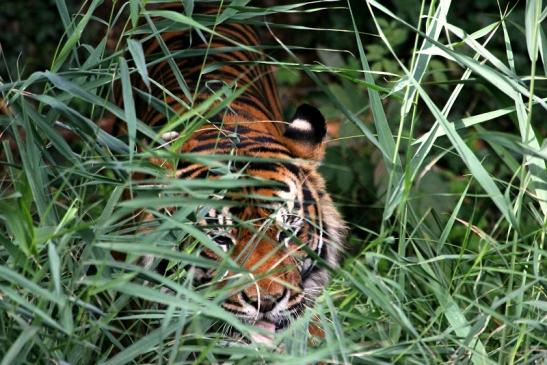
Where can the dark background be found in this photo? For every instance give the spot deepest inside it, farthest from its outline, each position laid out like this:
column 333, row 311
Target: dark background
column 31, row 30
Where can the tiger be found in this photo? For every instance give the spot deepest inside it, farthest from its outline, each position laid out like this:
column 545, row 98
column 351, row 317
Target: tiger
column 293, row 235
column 284, row 241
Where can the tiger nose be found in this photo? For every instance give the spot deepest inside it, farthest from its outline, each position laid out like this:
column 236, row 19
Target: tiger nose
column 263, row 303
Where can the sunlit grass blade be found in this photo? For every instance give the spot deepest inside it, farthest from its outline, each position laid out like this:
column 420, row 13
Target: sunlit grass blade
column 468, row 122
column 532, row 27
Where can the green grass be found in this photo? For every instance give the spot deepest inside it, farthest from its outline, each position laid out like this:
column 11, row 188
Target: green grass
column 446, row 202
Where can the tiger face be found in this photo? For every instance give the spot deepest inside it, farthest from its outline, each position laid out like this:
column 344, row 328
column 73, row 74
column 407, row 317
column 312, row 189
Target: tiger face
column 283, row 236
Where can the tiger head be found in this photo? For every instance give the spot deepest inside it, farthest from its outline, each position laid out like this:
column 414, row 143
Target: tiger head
column 285, row 236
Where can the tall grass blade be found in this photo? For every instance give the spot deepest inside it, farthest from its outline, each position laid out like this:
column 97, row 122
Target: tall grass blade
column 385, row 136
column 129, row 106
column 135, row 48
column 70, row 43
column 532, row 27
column 13, row 354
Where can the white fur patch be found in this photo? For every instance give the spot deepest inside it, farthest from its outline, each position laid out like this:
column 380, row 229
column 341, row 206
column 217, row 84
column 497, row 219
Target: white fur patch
column 301, row 125
column 169, row 136
column 290, row 196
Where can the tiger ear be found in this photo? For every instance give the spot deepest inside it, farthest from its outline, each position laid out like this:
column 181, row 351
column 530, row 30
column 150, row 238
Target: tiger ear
column 305, row 133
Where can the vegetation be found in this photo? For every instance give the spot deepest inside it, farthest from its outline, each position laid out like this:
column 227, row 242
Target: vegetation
column 436, row 159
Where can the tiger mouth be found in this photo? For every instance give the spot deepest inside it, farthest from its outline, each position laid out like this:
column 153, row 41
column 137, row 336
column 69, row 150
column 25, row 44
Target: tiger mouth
column 262, row 331
column 265, row 332
column 265, row 329
column 266, row 323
